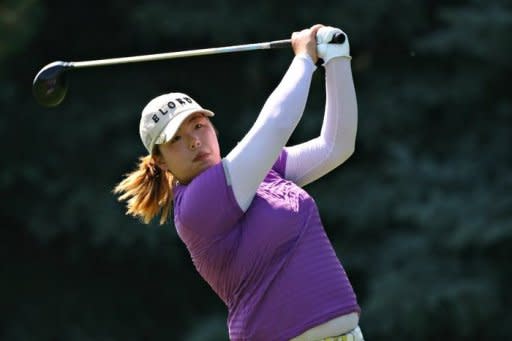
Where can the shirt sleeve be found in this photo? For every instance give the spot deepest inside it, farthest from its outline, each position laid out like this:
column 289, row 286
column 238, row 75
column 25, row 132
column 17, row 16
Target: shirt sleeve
column 280, row 164
column 310, row 160
column 248, row 163
column 206, row 205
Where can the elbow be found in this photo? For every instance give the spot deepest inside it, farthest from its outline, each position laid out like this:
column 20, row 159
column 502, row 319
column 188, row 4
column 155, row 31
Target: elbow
column 346, row 138
column 351, row 141
column 347, row 152
column 339, row 158
column 350, row 150
column 344, row 151
column 339, row 153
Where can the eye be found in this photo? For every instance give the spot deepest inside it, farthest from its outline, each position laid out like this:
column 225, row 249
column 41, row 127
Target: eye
column 199, row 125
column 176, row 138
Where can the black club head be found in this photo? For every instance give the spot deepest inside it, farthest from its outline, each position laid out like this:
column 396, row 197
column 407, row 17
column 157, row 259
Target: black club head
column 50, row 84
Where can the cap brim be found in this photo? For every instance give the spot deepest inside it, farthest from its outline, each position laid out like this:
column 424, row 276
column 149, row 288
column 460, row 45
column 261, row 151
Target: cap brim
column 172, row 127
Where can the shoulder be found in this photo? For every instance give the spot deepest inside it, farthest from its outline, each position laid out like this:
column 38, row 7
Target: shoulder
column 207, row 203
column 280, row 164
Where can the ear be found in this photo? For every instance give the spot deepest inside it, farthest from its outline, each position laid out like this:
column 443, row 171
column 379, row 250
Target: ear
column 160, row 162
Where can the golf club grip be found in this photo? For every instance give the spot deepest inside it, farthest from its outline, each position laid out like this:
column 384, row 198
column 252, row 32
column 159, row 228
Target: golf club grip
column 337, row 39
column 276, row 44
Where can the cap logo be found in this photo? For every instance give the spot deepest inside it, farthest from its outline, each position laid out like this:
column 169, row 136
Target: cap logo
column 155, row 123
column 171, row 105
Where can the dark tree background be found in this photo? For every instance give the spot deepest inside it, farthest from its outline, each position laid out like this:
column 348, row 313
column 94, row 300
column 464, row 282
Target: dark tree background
column 421, row 215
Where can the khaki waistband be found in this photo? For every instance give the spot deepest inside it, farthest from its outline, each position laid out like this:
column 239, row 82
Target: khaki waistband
column 354, row 335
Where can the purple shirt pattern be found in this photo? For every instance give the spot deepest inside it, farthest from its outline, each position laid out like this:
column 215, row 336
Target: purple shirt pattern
column 273, row 266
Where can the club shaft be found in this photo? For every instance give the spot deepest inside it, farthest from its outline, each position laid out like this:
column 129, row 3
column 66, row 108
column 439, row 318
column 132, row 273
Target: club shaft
column 181, row 54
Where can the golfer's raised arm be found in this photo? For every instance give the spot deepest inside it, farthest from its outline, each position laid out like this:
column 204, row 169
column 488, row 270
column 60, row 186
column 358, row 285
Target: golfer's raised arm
column 309, row 161
column 248, row 163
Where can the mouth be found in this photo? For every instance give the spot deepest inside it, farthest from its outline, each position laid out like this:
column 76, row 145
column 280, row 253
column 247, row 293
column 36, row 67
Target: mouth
column 200, row 157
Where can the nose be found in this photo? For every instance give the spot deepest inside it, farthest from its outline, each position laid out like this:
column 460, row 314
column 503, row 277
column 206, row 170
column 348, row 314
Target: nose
column 194, row 142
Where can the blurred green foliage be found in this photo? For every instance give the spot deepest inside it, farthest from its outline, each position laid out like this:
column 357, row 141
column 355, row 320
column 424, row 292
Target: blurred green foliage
column 421, row 215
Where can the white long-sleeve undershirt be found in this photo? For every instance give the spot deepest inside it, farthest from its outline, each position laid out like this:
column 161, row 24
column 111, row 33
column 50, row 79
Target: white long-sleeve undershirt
column 308, row 161
column 249, row 162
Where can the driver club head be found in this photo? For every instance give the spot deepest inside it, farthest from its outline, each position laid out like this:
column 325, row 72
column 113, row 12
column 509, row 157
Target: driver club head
column 50, row 84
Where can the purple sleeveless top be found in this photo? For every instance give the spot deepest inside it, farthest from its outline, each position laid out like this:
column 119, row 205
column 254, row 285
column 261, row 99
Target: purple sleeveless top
column 273, row 266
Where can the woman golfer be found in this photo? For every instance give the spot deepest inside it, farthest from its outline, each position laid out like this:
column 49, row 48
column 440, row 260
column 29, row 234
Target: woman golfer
column 252, row 231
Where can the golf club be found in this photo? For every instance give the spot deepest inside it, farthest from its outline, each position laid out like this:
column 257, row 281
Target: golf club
column 50, row 84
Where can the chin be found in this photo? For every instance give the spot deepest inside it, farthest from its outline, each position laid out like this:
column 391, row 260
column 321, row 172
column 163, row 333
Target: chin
column 207, row 164
column 204, row 166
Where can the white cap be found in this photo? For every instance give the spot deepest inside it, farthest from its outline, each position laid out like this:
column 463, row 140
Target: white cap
column 163, row 116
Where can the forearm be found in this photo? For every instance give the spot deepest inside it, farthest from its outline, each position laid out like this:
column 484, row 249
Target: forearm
column 248, row 163
column 308, row 161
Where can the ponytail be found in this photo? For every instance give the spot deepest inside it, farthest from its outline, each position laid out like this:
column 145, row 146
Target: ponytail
column 147, row 191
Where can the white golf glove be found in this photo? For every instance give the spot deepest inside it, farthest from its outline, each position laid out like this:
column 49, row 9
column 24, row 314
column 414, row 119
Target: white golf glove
column 327, row 50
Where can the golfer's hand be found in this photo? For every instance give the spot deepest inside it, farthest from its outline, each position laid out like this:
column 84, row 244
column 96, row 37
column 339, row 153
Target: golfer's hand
column 305, row 42
column 327, row 50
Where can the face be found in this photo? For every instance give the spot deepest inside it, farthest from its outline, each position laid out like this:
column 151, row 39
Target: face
column 193, row 149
